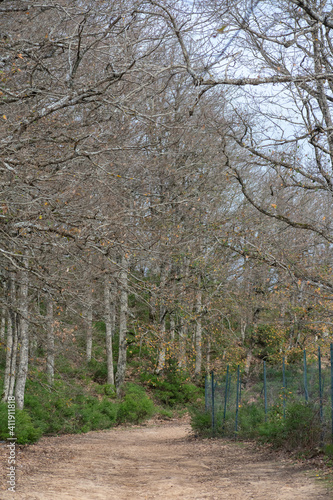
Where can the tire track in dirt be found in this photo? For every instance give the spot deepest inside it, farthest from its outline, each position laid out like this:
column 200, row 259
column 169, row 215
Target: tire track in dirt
column 154, row 462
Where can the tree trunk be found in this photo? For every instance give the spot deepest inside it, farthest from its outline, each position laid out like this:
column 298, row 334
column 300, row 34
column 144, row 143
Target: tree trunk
column 50, row 342
column 243, row 325
column 121, row 368
column 12, row 329
column 162, row 312
column 183, row 328
column 12, row 378
column 108, row 329
column 33, row 339
column 89, row 317
column 113, row 301
column 3, row 325
column 249, row 357
column 182, row 343
column 162, row 352
column 24, row 338
column 198, row 333
column 10, row 356
column 172, row 327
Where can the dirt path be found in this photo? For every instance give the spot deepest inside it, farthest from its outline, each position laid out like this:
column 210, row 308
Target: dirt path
column 154, row 462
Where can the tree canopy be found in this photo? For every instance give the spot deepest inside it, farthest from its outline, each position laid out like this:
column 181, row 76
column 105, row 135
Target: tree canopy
column 166, row 168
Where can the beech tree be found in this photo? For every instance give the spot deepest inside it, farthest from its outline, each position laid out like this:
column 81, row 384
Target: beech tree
column 280, row 63
column 51, row 143
column 160, row 154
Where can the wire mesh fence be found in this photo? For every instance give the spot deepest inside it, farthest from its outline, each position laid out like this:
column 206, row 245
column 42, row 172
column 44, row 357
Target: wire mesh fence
column 276, row 390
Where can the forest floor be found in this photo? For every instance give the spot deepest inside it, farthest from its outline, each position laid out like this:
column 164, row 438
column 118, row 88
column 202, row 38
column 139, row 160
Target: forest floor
column 155, row 461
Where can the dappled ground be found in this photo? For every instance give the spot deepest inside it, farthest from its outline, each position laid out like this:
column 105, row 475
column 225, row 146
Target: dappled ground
column 157, row 461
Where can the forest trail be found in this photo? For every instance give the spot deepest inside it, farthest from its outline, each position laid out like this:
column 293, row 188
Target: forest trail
column 154, row 462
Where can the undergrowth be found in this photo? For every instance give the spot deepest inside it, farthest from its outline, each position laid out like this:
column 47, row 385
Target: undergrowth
column 173, row 388
column 80, row 400
column 66, row 409
column 297, row 428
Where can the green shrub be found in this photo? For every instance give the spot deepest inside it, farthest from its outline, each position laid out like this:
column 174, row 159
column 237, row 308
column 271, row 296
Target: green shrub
column 171, row 388
column 136, row 405
column 67, row 408
column 266, row 341
column 98, row 371
column 164, row 413
column 250, row 417
column 93, row 414
column 201, row 421
column 328, row 450
column 300, row 429
column 110, row 409
column 107, row 390
column 25, row 431
column 169, row 394
column 92, row 419
column 191, row 392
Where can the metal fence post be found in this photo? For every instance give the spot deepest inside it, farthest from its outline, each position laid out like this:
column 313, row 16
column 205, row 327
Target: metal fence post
column 265, row 391
column 305, row 377
column 225, row 399
column 237, row 403
column 284, row 386
column 320, row 386
column 214, row 399
column 320, row 398
column 213, row 404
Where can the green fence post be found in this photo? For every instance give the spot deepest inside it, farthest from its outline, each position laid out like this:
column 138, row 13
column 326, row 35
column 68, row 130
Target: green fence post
column 229, row 384
column 305, row 377
column 265, row 391
column 320, row 387
column 213, row 404
column 237, row 403
column 284, row 386
column 225, row 399
column 206, row 392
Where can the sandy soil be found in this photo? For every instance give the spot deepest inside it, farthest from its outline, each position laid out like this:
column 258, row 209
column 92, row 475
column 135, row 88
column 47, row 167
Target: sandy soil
column 154, row 462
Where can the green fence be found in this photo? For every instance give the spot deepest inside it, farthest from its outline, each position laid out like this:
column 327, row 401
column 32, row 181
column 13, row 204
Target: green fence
column 273, row 390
